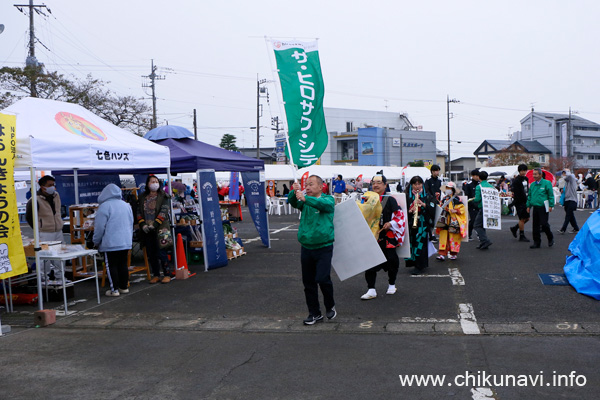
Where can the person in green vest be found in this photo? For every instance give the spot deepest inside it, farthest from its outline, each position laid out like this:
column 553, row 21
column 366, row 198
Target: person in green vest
column 315, row 234
column 484, row 242
column 540, row 201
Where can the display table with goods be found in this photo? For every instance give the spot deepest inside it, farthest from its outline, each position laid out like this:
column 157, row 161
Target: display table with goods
column 233, row 208
column 62, row 253
column 51, row 286
column 233, row 244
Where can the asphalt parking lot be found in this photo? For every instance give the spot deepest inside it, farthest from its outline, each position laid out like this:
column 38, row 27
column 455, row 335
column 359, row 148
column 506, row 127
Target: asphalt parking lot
column 236, row 332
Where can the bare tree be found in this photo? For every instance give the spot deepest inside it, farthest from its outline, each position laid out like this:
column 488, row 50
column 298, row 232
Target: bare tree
column 126, row 112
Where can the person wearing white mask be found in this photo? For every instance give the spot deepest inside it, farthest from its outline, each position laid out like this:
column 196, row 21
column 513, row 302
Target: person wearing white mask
column 153, row 216
column 50, row 223
column 456, row 227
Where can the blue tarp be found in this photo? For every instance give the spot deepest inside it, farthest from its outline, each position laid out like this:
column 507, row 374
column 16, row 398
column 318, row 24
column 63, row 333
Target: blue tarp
column 583, row 267
column 189, row 155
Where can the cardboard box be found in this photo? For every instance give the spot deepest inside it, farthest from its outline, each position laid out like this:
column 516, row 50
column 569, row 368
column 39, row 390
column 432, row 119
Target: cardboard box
column 29, row 252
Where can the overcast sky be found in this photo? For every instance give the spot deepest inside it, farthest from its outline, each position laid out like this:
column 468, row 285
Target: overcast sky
column 496, row 58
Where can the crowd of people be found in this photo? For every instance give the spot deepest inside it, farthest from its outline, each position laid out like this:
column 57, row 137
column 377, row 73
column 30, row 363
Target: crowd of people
column 434, row 212
column 461, row 214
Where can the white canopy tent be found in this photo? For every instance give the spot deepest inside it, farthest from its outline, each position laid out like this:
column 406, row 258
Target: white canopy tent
column 285, row 172
column 61, row 136
column 509, row 170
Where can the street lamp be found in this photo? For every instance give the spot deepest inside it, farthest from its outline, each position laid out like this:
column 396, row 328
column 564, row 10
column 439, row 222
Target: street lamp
column 449, row 163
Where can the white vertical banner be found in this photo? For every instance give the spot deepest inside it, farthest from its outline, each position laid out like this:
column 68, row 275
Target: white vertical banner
column 492, row 209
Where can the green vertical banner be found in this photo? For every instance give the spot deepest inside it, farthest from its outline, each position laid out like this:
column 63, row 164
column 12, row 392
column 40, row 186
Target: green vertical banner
column 302, row 88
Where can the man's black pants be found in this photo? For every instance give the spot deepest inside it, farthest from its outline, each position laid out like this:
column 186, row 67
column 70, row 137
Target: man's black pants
column 316, row 271
column 570, row 207
column 540, row 222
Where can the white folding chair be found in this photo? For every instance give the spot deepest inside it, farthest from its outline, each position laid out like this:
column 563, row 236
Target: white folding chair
column 276, row 205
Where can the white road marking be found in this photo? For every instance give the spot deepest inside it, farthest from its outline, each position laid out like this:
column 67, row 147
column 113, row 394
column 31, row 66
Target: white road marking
column 429, row 276
column 254, row 239
column 482, row 393
column 468, row 322
column 457, row 278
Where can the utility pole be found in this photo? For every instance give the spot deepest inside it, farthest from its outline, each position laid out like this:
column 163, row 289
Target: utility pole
column 449, row 163
column 153, row 77
column 569, row 136
column 195, row 126
column 259, row 89
column 31, row 61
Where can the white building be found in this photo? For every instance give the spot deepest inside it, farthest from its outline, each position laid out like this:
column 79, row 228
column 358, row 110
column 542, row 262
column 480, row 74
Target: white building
column 565, row 136
column 362, row 137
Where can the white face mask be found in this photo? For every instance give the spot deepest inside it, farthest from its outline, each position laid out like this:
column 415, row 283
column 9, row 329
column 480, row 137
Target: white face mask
column 50, row 190
column 448, row 192
column 154, row 187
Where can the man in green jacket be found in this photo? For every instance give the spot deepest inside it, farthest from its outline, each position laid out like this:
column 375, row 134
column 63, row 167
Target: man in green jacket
column 484, row 242
column 316, row 237
column 539, row 197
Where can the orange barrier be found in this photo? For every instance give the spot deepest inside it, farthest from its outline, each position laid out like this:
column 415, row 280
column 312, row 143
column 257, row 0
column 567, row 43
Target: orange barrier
column 181, row 271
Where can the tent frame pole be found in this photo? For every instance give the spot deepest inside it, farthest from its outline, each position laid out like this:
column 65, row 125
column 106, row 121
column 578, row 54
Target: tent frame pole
column 36, row 237
column 172, row 220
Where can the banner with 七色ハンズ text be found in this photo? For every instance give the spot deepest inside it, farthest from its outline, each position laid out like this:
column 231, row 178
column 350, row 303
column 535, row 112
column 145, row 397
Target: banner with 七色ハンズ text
column 12, row 256
column 302, row 88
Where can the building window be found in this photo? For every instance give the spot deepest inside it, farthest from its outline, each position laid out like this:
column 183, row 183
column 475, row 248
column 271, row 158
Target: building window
column 349, row 127
column 596, row 142
column 543, row 158
column 578, row 141
column 580, row 156
column 527, row 127
column 590, row 156
column 597, row 156
column 349, row 149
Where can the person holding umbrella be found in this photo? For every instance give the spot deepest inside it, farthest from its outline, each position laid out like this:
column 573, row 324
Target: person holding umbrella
column 540, row 201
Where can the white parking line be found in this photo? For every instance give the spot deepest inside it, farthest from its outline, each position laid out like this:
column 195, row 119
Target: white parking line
column 468, row 322
column 286, row 228
column 482, row 393
column 457, row 278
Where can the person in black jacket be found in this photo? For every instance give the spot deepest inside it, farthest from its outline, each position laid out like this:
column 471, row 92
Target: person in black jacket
column 433, row 184
column 520, row 187
column 432, row 188
column 469, row 190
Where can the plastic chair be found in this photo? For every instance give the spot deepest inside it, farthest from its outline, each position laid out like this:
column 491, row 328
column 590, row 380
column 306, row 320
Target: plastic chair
column 276, row 206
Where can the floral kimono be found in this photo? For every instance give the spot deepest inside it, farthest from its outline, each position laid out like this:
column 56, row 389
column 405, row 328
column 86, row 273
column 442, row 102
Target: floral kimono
column 451, row 241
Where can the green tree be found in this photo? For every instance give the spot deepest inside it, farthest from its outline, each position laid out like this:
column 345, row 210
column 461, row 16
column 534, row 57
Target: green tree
column 228, row 142
column 418, row 163
column 126, row 112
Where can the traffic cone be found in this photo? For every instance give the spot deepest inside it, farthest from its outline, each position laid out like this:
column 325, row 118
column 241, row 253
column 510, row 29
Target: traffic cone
column 182, row 271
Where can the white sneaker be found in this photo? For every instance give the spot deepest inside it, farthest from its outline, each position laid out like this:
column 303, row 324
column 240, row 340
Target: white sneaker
column 110, row 293
column 391, row 289
column 123, row 291
column 371, row 294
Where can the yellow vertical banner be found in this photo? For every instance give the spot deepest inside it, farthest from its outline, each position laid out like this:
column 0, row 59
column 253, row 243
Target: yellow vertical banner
column 12, row 256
